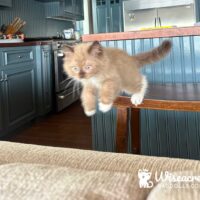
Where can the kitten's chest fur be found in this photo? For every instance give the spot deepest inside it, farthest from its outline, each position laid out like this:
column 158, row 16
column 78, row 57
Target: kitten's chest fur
column 94, row 81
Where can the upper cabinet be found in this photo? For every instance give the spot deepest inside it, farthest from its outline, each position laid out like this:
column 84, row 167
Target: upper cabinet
column 78, row 7
column 6, row 3
column 107, row 16
column 71, row 10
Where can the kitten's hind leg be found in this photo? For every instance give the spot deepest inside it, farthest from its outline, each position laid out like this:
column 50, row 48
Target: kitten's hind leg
column 107, row 94
column 88, row 97
column 138, row 95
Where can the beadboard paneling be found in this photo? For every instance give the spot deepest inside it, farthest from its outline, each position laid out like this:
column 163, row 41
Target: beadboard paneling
column 163, row 133
column 33, row 12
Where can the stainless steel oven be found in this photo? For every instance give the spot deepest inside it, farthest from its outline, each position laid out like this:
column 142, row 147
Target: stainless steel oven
column 65, row 91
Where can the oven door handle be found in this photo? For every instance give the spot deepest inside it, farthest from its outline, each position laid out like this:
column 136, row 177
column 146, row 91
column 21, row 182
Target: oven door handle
column 60, row 54
column 62, row 96
column 70, row 93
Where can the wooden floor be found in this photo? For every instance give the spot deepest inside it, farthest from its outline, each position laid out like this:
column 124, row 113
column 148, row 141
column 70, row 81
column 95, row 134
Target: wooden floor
column 69, row 128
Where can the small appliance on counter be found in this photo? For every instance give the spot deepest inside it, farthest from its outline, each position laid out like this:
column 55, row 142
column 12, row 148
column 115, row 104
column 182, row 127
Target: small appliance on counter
column 68, row 33
column 71, row 34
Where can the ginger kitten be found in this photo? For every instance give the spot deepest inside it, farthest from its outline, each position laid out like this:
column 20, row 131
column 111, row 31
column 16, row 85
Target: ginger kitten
column 105, row 72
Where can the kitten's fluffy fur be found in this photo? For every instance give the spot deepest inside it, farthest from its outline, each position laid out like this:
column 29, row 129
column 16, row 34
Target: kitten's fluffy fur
column 104, row 72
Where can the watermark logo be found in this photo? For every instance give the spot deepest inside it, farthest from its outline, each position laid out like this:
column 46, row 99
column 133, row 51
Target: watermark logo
column 168, row 178
column 144, row 178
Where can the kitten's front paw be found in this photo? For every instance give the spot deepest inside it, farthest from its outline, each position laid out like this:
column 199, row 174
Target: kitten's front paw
column 137, row 99
column 105, row 107
column 90, row 113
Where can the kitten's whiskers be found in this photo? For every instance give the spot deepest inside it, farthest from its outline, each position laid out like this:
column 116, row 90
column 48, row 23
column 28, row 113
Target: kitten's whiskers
column 69, row 83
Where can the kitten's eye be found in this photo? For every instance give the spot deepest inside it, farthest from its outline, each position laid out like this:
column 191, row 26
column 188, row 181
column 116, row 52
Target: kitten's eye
column 88, row 68
column 76, row 69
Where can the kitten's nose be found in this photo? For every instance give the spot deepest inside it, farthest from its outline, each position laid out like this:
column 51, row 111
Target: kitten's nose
column 81, row 74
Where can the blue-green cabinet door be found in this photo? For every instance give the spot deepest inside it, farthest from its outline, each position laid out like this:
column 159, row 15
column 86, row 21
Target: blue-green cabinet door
column 107, row 16
column 19, row 96
column 78, row 8
column 6, row 3
column 116, row 17
column 197, row 7
column 100, row 16
column 47, row 79
column 69, row 6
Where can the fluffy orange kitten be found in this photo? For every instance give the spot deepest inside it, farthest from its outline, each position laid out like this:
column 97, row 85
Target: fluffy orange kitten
column 105, row 72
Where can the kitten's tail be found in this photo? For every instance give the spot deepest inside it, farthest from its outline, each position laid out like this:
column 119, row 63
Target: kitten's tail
column 155, row 54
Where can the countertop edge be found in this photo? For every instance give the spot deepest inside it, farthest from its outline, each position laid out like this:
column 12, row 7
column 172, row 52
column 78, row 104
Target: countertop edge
column 35, row 43
column 155, row 33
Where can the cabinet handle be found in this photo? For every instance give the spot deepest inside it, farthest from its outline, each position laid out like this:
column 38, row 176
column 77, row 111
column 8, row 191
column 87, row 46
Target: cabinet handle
column 160, row 23
column 6, row 77
column 1, row 80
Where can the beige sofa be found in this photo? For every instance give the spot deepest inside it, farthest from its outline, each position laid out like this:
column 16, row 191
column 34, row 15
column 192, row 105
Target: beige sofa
column 39, row 172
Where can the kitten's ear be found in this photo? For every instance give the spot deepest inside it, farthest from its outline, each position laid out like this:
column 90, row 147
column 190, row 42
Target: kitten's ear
column 95, row 49
column 68, row 50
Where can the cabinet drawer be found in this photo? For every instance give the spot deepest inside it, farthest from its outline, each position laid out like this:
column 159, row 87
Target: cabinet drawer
column 17, row 56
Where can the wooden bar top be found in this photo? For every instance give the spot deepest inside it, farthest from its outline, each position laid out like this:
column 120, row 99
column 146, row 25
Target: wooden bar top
column 185, row 97
column 154, row 33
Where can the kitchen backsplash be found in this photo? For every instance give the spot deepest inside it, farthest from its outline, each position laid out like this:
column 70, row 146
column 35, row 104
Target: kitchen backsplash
column 33, row 12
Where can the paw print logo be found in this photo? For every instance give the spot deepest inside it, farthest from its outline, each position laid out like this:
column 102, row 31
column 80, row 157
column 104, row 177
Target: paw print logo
column 144, row 178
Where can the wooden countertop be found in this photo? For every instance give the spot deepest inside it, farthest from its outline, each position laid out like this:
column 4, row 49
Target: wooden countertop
column 35, row 43
column 176, row 97
column 185, row 97
column 155, row 33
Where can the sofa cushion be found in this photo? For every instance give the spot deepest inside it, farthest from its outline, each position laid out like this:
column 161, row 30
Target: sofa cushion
column 95, row 161
column 45, row 182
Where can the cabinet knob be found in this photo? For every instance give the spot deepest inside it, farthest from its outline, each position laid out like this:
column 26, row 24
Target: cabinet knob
column 61, row 96
column 19, row 56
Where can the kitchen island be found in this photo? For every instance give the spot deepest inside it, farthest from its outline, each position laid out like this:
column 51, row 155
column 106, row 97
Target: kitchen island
column 162, row 133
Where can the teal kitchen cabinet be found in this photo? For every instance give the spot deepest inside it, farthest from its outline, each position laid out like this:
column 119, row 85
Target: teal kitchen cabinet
column 78, row 8
column 100, row 16
column 107, row 16
column 25, row 85
column 19, row 96
column 6, row 3
column 74, row 8
column 44, row 79
column 69, row 10
column 17, row 88
column 197, row 9
column 68, row 6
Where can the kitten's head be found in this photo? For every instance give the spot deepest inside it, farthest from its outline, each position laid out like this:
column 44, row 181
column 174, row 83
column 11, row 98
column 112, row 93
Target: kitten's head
column 83, row 61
